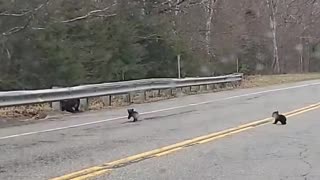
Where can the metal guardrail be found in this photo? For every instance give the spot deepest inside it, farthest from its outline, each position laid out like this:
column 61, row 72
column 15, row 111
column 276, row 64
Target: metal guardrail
column 14, row 98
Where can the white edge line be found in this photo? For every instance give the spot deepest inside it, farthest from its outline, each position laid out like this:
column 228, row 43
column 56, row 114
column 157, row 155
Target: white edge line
column 155, row 111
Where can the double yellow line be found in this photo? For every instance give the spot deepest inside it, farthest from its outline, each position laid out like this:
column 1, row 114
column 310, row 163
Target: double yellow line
column 108, row 167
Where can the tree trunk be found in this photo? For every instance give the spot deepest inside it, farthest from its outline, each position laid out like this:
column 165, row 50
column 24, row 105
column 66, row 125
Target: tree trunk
column 123, row 75
column 301, row 50
column 143, row 9
column 275, row 63
column 272, row 5
column 210, row 11
column 179, row 66
column 306, row 62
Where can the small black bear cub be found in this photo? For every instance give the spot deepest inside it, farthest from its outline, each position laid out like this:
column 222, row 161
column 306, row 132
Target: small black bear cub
column 279, row 118
column 70, row 105
column 134, row 114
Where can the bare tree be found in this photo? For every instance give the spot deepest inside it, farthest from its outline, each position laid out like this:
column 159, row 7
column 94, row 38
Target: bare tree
column 210, row 8
column 310, row 15
column 303, row 17
column 29, row 14
column 273, row 10
column 92, row 13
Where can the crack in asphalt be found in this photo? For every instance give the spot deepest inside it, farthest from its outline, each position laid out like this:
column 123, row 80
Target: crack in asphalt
column 303, row 156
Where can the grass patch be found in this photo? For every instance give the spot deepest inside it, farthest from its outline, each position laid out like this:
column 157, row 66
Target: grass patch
column 268, row 80
column 37, row 111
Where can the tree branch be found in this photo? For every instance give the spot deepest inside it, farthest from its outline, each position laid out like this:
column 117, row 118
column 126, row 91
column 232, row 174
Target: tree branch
column 151, row 36
column 15, row 14
column 89, row 14
column 8, row 54
column 18, row 28
column 25, row 13
column 176, row 5
column 32, row 12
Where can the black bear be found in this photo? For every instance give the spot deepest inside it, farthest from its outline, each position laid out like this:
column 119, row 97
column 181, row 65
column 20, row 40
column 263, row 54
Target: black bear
column 134, row 114
column 70, row 105
column 279, row 118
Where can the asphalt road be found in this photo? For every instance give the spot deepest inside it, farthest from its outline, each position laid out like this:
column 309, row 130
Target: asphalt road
column 271, row 152
column 57, row 147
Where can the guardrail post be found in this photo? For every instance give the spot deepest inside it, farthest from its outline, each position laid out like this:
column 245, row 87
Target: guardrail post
column 179, row 92
column 209, row 87
column 193, row 89
column 129, row 98
column 171, row 92
column 145, row 95
column 106, row 100
column 84, row 104
column 56, row 106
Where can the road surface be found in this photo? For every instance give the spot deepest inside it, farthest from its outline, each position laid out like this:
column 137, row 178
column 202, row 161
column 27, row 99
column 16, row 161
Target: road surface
column 265, row 153
column 58, row 147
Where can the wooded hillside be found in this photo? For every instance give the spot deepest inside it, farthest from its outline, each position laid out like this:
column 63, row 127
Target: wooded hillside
column 45, row 43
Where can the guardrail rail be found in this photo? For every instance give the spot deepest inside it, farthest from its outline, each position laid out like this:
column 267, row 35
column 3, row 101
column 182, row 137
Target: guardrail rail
column 26, row 97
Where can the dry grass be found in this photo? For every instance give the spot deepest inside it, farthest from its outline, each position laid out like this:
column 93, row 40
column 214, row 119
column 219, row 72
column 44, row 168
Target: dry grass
column 122, row 100
column 38, row 111
column 267, row 80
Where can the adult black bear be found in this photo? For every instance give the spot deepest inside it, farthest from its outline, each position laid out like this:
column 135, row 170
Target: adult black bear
column 70, row 105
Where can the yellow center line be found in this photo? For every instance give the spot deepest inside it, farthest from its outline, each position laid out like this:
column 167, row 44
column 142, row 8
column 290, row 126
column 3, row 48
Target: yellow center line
column 304, row 111
column 79, row 173
column 94, row 174
column 224, row 135
column 107, row 167
column 168, row 152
